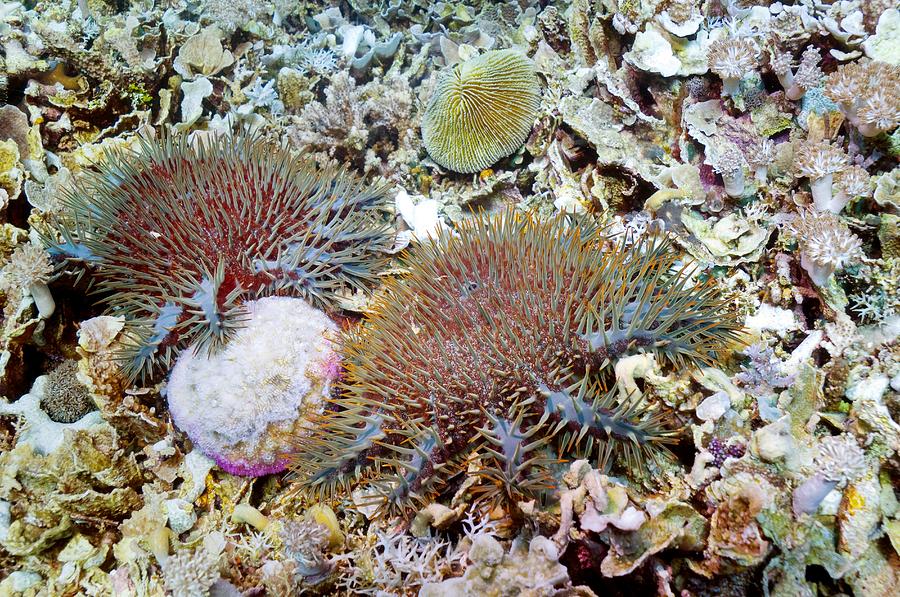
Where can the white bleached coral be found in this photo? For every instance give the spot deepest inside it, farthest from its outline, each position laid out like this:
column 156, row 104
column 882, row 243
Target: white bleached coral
column 244, row 405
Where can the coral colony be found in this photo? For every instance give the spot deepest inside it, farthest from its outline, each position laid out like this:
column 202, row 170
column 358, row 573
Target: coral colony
column 180, row 235
column 560, row 297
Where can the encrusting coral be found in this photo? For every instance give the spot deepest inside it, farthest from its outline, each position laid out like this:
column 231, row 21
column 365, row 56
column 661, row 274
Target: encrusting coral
column 180, row 235
column 481, row 110
column 499, row 341
column 243, row 405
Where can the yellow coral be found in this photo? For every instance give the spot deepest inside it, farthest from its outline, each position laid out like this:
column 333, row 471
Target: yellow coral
column 481, row 110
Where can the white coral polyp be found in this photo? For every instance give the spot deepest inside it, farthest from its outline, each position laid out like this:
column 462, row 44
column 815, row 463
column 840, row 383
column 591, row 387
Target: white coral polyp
column 246, row 404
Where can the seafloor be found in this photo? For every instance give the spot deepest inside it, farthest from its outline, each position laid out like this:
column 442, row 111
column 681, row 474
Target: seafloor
column 449, row 298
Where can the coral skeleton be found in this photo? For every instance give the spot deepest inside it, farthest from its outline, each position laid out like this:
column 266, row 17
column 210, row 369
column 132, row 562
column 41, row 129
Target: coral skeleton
column 180, row 235
column 499, row 342
column 481, row 110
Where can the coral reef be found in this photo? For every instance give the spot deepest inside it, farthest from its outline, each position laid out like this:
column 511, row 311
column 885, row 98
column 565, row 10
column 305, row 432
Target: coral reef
column 571, row 297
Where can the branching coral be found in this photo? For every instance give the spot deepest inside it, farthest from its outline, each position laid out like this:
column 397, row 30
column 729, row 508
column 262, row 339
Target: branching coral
column 344, row 126
column 732, row 59
column 819, row 162
column 826, row 244
column 180, row 236
column 190, row 573
column 481, row 110
column 868, row 94
column 499, row 341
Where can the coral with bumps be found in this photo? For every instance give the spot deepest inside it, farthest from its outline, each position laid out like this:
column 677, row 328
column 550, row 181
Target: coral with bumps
column 242, row 405
column 499, row 341
column 481, row 110
column 180, row 235
column 65, row 398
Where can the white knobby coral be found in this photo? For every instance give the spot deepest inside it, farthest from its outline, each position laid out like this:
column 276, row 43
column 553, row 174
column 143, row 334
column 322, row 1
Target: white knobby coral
column 826, row 244
column 244, row 405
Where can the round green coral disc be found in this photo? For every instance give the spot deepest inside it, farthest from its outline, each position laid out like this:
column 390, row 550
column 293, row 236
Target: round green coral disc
column 481, row 110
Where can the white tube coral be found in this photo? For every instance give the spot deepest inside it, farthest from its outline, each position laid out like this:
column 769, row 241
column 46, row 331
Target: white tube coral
column 729, row 162
column 848, row 185
column 826, row 244
column 29, row 270
column 732, row 59
column 759, row 157
column 820, row 162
